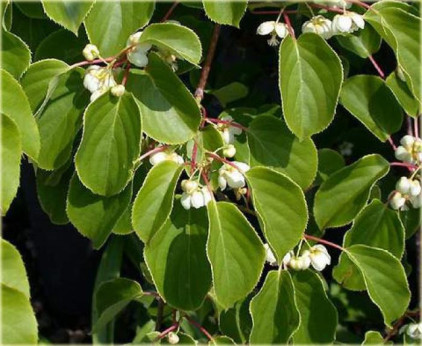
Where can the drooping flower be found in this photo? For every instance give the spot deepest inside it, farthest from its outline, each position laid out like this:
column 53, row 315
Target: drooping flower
column 275, row 29
column 166, row 155
column 118, row 90
column 173, row 338
column 319, row 257
column 300, row 262
column 194, row 195
column 137, row 55
column 227, row 131
column 406, row 190
column 414, row 330
column 229, row 151
column 347, row 23
column 269, row 255
column 98, row 80
column 410, row 150
column 231, row 176
column 397, row 201
column 319, row 25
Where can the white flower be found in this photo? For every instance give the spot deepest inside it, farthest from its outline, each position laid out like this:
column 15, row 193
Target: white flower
column 228, row 131
column 274, row 29
column 118, row 90
column 173, row 338
column 98, row 80
column 300, row 263
column 229, row 150
column 318, row 25
column 90, row 52
column 416, row 201
column 403, row 185
column 319, row 256
column 415, row 188
column 164, row 155
column 347, row 23
column 193, row 195
column 402, row 154
column 138, row 54
column 231, row 176
column 287, row 257
column 414, row 330
column 269, row 255
column 397, row 201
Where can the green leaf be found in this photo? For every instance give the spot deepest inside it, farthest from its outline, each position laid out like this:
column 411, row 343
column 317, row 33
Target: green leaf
column 372, row 103
column 15, row 54
column 283, row 220
column 69, row 14
column 403, row 94
column 177, row 260
column 37, row 78
column 169, row 112
column 373, row 338
column 60, row 119
column 110, row 144
column 13, row 269
column 363, row 43
column 329, row 161
column 401, row 30
column 273, row 145
column 236, row 322
column 385, row 280
column 15, row 104
column 377, row 226
column 108, row 269
column 225, row 12
column 95, row 216
column 318, row 316
column 208, row 139
column 52, row 189
column 411, row 220
column 18, row 323
column 112, row 297
column 110, row 23
column 154, row 201
column 230, row 92
column 11, row 151
column 175, row 38
column 274, row 312
column 31, row 9
column 341, row 197
column 231, row 241
column 310, row 79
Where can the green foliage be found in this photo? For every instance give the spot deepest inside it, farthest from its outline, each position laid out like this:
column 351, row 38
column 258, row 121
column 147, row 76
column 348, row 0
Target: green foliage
column 227, row 12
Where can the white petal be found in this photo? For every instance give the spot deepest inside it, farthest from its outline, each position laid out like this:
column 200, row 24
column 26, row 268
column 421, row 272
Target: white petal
column 138, row 58
column 403, row 185
column 242, row 166
column 397, row 201
column 281, row 30
column 235, row 179
column 222, row 182
column 185, row 201
column 197, row 200
column 342, row 23
column 415, row 188
column 134, row 38
column 207, row 195
column 287, row 258
column 403, row 154
column 407, row 141
column 143, row 47
column 265, row 28
column 227, row 137
column 416, row 201
column 358, row 20
column 157, row 158
column 269, row 255
column 227, row 118
column 97, row 94
column 235, row 130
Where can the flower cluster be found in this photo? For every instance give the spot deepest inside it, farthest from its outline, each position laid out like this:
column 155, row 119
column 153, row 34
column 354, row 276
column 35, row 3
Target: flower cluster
column 410, row 150
column 319, row 25
column 232, row 176
column 98, row 80
column 406, row 190
column 137, row 54
column 166, row 155
column 274, row 29
column 194, row 195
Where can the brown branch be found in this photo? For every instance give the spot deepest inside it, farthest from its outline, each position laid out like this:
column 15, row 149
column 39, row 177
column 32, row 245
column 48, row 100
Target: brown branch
column 199, row 93
column 170, row 11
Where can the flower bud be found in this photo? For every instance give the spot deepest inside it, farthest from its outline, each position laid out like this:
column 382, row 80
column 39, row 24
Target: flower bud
column 229, row 151
column 90, row 52
column 415, row 188
column 416, row 201
column 320, row 257
column 173, row 338
column 118, row 90
column 397, row 201
column 403, row 185
column 414, row 330
column 189, row 186
column 407, row 141
column 402, row 154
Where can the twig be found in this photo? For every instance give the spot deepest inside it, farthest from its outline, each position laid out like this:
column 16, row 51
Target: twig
column 416, row 127
column 199, row 92
column 194, row 153
column 126, row 75
column 92, row 62
column 289, row 25
column 222, row 160
column 170, row 11
column 393, row 331
column 409, row 166
column 151, row 152
column 160, row 312
column 322, row 241
column 207, row 182
column 390, row 140
column 328, row 8
column 409, row 126
column 360, row 3
column 202, row 329
column 377, row 67
column 168, row 330
column 231, row 123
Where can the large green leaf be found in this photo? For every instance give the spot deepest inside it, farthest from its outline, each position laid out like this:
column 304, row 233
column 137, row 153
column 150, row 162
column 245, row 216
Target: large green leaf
column 11, row 151
column 110, row 23
column 341, row 197
column 401, row 30
column 225, row 12
column 403, row 94
column 273, row 145
column 60, row 119
column 281, row 208
column 169, row 112
column 177, row 39
column 377, row 226
column 372, row 102
column 364, row 42
column 310, row 79
column 13, row 269
column 385, row 280
column 235, row 252
column 69, row 14
column 52, row 189
column 177, row 259
column 318, row 316
column 110, row 144
column 18, row 323
column 274, row 311
column 95, row 216
column 37, row 78
column 112, row 297
column 236, row 322
column 14, row 104
column 373, row 338
column 154, row 201
column 15, row 54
